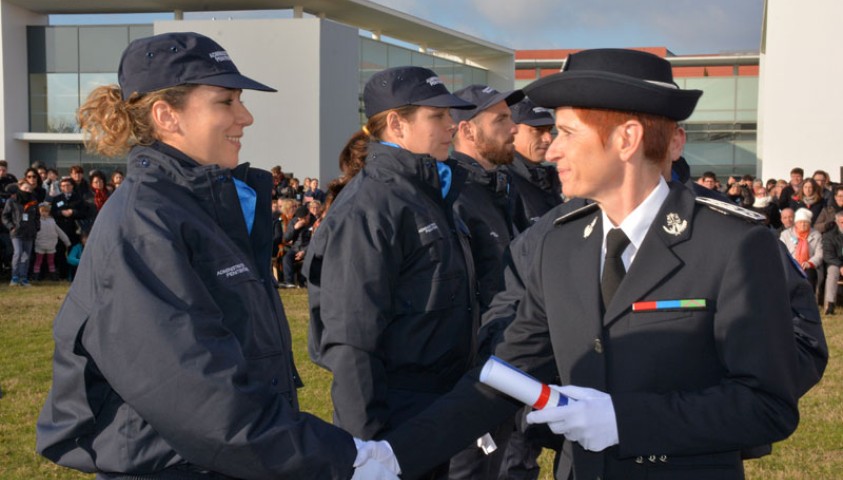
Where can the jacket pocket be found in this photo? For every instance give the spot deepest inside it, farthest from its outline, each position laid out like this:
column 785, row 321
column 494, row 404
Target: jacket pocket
column 431, row 238
column 429, row 294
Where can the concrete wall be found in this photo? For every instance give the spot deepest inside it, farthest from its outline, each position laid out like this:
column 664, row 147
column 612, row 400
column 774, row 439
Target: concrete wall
column 338, row 90
column 800, row 99
column 501, row 72
column 14, row 84
column 313, row 64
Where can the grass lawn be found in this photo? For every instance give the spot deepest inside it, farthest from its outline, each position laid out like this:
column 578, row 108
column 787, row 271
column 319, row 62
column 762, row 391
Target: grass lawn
column 815, row 451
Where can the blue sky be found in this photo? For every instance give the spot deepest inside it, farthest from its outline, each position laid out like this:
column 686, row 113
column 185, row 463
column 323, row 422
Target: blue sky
column 685, row 27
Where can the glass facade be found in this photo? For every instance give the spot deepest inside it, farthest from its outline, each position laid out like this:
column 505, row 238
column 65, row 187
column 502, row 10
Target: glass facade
column 722, row 132
column 376, row 56
column 65, row 64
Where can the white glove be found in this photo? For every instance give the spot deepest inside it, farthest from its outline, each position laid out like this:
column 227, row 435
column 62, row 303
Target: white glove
column 373, row 470
column 378, row 451
column 590, row 420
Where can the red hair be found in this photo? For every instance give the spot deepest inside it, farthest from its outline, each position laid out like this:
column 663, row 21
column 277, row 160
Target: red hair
column 658, row 130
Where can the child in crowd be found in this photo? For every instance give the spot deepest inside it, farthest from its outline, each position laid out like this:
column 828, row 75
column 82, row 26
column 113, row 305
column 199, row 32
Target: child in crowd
column 75, row 254
column 45, row 243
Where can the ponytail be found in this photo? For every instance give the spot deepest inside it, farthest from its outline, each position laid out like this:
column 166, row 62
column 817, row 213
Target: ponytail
column 353, row 155
column 111, row 126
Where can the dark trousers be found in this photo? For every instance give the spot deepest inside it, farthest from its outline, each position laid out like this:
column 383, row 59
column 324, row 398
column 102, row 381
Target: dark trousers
column 6, row 250
column 290, row 267
column 61, row 261
column 520, row 458
column 813, row 277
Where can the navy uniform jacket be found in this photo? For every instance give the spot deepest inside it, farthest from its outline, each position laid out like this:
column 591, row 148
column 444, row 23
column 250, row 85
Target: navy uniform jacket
column 691, row 387
column 172, row 346
column 390, row 290
column 485, row 205
column 536, row 191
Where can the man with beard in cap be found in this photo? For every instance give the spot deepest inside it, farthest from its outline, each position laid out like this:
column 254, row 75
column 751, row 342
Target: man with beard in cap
column 537, row 187
column 483, row 144
column 676, row 352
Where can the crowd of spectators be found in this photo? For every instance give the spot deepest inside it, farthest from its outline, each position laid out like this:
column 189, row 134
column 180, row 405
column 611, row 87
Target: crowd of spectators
column 297, row 210
column 807, row 214
column 65, row 208
column 46, row 218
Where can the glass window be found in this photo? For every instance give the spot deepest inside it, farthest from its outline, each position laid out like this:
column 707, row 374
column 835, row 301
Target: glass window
column 422, row 60
column 374, row 57
column 64, row 155
column 67, row 155
column 36, row 49
column 703, row 115
column 462, row 76
column 90, row 81
column 107, row 165
column 445, row 70
column 399, row 57
column 747, row 99
column 100, row 48
column 38, row 102
column 45, row 153
column 718, row 93
column 479, row 76
column 54, row 98
column 746, row 154
column 61, row 48
column 747, row 93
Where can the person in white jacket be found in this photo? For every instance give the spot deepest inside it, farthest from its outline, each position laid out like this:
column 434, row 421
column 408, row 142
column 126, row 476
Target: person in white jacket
column 46, row 241
column 805, row 245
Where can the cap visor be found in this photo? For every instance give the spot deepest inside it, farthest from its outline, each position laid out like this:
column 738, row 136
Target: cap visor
column 446, row 100
column 538, row 122
column 513, row 97
column 233, row 80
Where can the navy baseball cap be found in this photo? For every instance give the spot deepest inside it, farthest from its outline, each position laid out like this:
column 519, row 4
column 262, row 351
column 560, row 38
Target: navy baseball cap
column 169, row 59
column 400, row 86
column 484, row 97
column 528, row 113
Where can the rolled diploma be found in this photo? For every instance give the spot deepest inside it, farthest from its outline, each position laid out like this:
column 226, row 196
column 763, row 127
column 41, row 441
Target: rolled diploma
column 505, row 378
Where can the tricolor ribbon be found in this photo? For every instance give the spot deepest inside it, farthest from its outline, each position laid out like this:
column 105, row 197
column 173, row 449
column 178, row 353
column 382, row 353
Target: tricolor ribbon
column 688, row 304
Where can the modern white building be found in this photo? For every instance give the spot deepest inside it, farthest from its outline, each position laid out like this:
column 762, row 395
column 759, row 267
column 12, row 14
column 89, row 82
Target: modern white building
column 800, row 101
column 317, row 59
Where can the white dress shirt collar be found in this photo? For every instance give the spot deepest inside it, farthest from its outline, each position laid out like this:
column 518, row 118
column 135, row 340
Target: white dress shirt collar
column 637, row 223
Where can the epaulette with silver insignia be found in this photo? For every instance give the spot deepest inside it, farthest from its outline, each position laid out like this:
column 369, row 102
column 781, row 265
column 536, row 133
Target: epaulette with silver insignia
column 731, row 209
column 584, row 210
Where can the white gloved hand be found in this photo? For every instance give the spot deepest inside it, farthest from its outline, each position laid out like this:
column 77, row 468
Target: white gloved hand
column 380, row 452
column 589, row 421
column 373, row 470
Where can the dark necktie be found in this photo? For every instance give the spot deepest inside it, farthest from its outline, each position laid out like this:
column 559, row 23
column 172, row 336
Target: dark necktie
column 613, row 269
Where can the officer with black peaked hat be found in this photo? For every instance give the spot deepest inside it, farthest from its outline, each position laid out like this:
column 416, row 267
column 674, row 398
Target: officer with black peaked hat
column 664, row 318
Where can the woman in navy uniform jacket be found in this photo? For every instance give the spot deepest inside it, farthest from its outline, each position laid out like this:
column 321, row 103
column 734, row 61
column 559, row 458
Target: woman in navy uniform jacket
column 175, row 361
column 389, row 270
